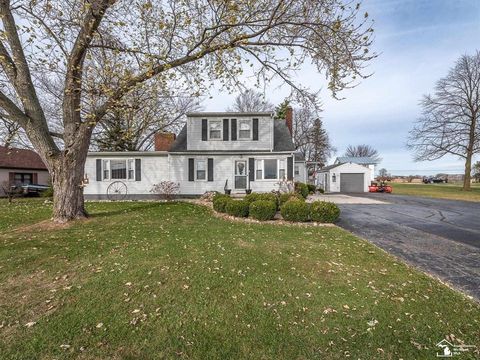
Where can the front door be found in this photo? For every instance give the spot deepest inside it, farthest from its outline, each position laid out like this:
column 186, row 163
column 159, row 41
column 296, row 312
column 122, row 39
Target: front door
column 240, row 174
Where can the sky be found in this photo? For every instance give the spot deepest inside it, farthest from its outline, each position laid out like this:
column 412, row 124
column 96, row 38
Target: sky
column 418, row 41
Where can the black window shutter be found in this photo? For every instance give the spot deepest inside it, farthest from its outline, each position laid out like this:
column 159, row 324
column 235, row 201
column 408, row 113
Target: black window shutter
column 225, row 129
column 138, row 169
column 290, row 168
column 99, row 169
column 255, row 129
column 204, row 130
column 234, row 129
column 191, row 169
column 251, row 169
column 210, row 169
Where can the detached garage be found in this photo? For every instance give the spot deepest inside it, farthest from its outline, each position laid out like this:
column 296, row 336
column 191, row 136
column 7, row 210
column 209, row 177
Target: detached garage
column 345, row 178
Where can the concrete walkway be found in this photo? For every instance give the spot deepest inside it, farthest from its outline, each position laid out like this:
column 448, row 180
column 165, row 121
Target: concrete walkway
column 344, row 199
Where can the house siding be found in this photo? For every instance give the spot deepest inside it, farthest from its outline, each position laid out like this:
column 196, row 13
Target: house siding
column 349, row 168
column 264, row 142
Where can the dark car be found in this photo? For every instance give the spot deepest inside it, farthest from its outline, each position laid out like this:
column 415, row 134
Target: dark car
column 31, row 189
column 434, row 180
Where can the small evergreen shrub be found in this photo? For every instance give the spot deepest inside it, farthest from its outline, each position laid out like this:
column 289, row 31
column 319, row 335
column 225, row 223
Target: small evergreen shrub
column 325, row 212
column 320, row 190
column 250, row 198
column 47, row 193
column 220, row 203
column 238, row 208
column 284, row 197
column 311, row 188
column 262, row 210
column 295, row 210
column 302, row 189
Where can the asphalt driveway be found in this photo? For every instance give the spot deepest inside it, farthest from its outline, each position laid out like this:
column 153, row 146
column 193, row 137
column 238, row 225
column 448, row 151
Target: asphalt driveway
column 441, row 237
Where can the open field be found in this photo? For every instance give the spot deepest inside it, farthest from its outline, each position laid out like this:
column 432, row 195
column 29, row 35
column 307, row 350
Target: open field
column 441, row 191
column 156, row 280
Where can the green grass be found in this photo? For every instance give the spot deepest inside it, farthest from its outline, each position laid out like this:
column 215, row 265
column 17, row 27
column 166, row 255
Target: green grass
column 441, row 191
column 172, row 281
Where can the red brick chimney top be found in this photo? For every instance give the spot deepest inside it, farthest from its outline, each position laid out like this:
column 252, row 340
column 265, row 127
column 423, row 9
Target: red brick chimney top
column 163, row 141
column 289, row 118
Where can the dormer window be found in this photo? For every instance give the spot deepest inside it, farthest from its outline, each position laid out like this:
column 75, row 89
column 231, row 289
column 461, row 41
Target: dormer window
column 215, row 129
column 245, row 130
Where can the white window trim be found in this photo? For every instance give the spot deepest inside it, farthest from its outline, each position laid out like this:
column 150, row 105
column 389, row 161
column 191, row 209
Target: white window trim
column 263, row 169
column 206, row 168
column 238, row 130
column 221, row 129
column 110, row 169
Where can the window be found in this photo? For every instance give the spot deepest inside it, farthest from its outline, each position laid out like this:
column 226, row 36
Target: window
column 118, row 169
column 201, row 169
column 106, row 169
column 245, row 130
column 297, row 170
column 281, row 169
column 334, row 178
column 131, row 169
column 266, row 169
column 215, row 129
column 22, row 179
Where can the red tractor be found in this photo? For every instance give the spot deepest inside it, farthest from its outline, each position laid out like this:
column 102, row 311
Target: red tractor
column 382, row 188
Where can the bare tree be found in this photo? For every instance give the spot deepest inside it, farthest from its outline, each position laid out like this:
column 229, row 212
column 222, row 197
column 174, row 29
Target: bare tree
column 188, row 45
column 449, row 120
column 363, row 150
column 476, row 171
column 251, row 101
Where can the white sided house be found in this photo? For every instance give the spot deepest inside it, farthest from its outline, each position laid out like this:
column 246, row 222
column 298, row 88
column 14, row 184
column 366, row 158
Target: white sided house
column 345, row 178
column 213, row 152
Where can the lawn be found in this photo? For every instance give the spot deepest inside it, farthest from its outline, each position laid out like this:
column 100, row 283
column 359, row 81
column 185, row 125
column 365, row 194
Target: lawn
column 156, row 280
column 441, row 191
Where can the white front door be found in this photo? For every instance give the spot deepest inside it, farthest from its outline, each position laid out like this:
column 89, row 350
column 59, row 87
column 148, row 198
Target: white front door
column 240, row 174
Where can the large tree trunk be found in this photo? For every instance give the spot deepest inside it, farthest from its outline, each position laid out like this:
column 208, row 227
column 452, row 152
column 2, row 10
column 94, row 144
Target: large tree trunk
column 468, row 171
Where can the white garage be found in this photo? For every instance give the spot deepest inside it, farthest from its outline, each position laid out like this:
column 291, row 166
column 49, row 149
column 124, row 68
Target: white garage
column 345, row 178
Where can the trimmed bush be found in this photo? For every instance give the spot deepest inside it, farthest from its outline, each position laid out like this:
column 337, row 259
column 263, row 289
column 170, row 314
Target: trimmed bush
column 238, row 208
column 284, row 197
column 295, row 210
column 325, row 212
column 262, row 210
column 250, row 198
column 220, row 203
column 311, row 188
column 320, row 190
column 302, row 189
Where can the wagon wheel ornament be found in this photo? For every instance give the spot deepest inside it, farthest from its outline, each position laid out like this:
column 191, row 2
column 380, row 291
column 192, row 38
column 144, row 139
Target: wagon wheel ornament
column 117, row 191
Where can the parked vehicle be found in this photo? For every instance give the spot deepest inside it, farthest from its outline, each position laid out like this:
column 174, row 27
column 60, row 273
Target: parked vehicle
column 382, row 188
column 434, row 180
column 31, row 189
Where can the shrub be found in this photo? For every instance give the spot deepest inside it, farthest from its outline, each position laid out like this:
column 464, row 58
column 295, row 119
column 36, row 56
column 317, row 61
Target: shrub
column 302, row 189
column 250, row 198
column 238, row 208
column 220, row 203
column 295, row 210
column 283, row 198
column 311, row 188
column 166, row 190
column 47, row 193
column 262, row 210
column 325, row 212
column 320, row 190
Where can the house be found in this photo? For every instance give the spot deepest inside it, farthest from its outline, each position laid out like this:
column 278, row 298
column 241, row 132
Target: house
column 214, row 151
column 347, row 177
column 21, row 167
column 360, row 160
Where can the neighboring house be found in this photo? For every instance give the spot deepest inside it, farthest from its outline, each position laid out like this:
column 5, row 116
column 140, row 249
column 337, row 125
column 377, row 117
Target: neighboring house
column 213, row 151
column 365, row 161
column 348, row 178
column 21, row 167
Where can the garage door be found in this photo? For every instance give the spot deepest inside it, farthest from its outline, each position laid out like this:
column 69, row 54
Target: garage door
column 351, row 182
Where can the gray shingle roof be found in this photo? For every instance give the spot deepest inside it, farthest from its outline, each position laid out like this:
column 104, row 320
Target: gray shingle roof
column 282, row 141
column 329, row 167
column 356, row 160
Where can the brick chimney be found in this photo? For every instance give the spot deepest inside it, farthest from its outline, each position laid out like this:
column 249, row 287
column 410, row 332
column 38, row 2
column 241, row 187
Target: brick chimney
column 289, row 118
column 163, row 141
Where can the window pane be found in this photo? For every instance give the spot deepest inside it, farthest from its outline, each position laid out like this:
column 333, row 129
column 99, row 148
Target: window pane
column 270, row 168
column 106, row 170
column 215, row 129
column 131, row 169
column 118, row 169
column 201, row 169
column 244, row 129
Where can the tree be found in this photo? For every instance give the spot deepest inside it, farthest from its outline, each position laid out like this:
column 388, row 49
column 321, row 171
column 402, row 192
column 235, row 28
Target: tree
column 449, row 120
column 281, row 110
column 383, row 174
column 363, row 151
column 187, row 45
column 476, row 171
column 250, row 101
